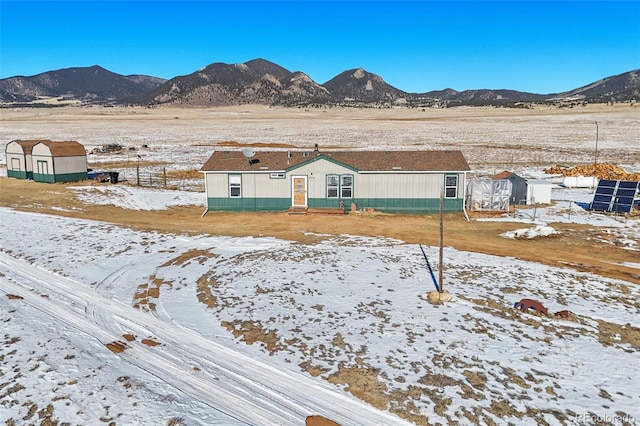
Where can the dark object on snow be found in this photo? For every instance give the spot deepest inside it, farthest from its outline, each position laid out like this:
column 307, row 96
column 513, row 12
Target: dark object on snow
column 104, row 176
column 526, row 304
column 564, row 314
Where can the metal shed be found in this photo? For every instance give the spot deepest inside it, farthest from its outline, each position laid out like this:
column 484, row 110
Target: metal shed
column 59, row 161
column 539, row 191
column 18, row 156
column 518, row 186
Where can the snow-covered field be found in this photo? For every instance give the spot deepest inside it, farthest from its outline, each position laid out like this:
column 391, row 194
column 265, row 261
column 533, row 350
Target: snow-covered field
column 103, row 324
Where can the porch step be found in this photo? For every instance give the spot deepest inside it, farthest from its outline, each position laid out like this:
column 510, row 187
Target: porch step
column 325, row 211
column 307, row 210
column 297, row 210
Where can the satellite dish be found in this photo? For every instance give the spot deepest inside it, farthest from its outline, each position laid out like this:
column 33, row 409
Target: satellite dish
column 249, row 152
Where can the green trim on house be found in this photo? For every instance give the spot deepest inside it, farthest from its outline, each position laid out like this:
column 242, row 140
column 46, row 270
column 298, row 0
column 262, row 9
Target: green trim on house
column 407, row 205
column 60, row 178
column 248, row 204
column 391, row 205
column 19, row 174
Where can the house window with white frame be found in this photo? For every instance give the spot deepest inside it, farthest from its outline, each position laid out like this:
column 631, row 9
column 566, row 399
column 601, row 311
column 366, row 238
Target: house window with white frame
column 333, row 185
column 451, row 186
column 346, row 186
column 235, row 186
column 339, row 186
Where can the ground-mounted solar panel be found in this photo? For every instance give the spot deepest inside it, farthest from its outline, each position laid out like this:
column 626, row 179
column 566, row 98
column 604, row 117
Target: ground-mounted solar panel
column 616, row 196
column 627, row 184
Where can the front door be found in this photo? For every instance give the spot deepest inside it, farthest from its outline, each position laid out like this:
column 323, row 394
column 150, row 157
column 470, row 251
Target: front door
column 299, row 190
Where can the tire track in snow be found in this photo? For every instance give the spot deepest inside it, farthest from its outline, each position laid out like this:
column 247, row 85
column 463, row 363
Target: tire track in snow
column 245, row 389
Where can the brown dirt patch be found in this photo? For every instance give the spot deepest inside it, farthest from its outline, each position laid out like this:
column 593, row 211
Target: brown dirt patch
column 116, row 347
column 319, row 421
column 14, row 297
column 129, row 337
column 150, row 342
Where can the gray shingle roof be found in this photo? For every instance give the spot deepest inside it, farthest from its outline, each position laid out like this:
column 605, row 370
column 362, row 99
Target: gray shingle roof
column 366, row 161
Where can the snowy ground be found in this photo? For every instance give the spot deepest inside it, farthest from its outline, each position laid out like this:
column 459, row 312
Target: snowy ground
column 103, row 324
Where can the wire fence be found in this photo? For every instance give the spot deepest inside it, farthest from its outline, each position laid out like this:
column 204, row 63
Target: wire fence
column 189, row 180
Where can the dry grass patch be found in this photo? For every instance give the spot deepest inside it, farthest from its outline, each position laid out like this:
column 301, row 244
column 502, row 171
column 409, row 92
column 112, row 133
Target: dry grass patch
column 184, row 258
column 150, row 342
column 612, row 334
column 204, row 284
column 124, row 164
column 314, row 370
column 363, row 383
column 476, row 379
column 184, row 174
column 253, row 332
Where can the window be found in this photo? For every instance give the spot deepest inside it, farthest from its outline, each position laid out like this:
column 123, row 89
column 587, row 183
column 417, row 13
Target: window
column 277, row 176
column 332, row 186
column 339, row 186
column 346, row 186
column 451, row 186
column 235, row 186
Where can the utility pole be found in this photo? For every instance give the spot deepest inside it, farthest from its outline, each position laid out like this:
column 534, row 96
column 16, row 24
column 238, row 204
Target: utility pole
column 595, row 158
column 595, row 161
column 138, row 171
column 440, row 274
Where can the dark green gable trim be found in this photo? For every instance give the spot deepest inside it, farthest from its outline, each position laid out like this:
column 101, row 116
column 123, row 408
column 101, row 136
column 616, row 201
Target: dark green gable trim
column 321, row 157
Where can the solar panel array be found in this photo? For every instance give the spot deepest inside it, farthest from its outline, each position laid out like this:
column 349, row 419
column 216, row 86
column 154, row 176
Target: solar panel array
column 614, row 196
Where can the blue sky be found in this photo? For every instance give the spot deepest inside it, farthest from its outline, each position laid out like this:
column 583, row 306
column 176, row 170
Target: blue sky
column 417, row 46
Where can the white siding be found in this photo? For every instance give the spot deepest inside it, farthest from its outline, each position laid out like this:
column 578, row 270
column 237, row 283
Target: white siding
column 399, row 186
column 316, row 172
column 254, row 185
column 15, row 151
column 66, row 165
column 217, row 185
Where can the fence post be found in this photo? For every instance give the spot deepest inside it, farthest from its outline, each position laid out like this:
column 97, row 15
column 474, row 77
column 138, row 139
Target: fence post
column 164, row 175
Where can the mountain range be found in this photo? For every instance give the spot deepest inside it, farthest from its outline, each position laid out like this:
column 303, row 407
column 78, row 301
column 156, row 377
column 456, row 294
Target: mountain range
column 262, row 82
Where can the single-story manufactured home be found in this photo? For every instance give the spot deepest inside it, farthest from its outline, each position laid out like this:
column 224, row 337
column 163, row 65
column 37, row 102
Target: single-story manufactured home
column 18, row 156
column 59, row 161
column 388, row 181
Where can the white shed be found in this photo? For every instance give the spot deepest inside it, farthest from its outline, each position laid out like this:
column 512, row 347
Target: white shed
column 59, row 162
column 18, row 156
column 539, row 191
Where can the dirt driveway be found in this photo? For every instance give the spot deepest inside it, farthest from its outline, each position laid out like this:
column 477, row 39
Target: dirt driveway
column 577, row 246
